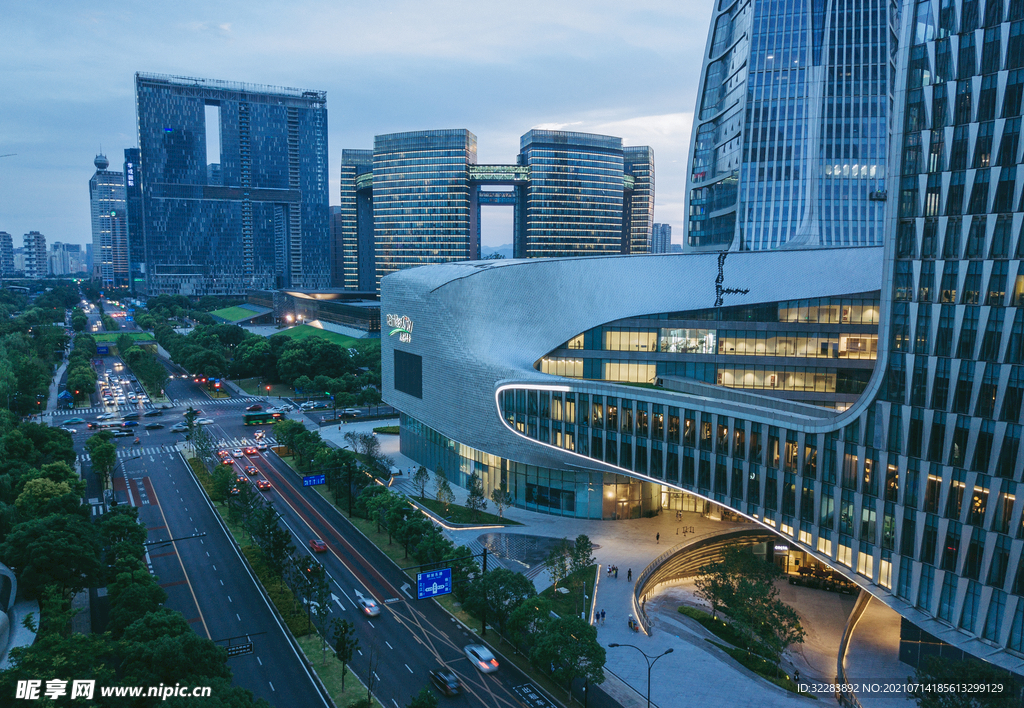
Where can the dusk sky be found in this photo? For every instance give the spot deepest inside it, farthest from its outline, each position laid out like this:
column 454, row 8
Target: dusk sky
column 497, row 69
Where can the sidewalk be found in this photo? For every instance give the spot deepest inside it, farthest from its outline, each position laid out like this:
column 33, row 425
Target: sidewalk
column 51, row 400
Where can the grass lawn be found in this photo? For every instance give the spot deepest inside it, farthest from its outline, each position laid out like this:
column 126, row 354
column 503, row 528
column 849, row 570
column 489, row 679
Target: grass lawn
column 252, row 386
column 387, row 430
column 304, row 331
column 233, row 314
column 461, row 515
column 329, row 670
column 569, row 604
column 718, row 627
column 108, row 337
column 763, row 668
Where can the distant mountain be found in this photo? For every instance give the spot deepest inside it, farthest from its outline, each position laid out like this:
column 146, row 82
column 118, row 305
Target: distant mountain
column 504, row 249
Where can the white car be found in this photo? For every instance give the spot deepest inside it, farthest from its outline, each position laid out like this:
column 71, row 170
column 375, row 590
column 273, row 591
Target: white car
column 482, row 658
column 236, row 452
column 368, row 606
column 351, row 411
column 105, row 416
column 287, row 407
column 307, row 406
column 261, row 446
column 204, row 421
column 273, row 410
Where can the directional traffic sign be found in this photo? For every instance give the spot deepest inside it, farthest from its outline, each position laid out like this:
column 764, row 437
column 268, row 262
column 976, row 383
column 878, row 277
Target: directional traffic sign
column 313, row 480
column 433, row 583
column 239, row 649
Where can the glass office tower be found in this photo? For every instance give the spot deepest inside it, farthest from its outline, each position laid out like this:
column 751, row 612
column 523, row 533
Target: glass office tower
column 424, row 209
column 638, row 204
column 134, row 221
column 573, row 203
column 789, row 143
column 261, row 220
column 358, row 257
column 109, row 230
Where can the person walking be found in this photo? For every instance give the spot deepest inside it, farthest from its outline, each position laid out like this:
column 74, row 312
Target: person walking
column 602, row 617
column 629, row 575
column 657, row 537
column 616, row 572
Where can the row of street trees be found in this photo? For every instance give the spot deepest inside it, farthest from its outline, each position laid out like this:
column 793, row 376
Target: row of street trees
column 81, row 377
column 150, row 372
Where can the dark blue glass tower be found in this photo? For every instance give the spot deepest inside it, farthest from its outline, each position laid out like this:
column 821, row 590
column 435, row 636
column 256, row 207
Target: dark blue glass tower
column 263, row 222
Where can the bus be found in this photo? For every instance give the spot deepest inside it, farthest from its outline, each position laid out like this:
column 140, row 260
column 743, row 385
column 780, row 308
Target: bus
column 261, row 418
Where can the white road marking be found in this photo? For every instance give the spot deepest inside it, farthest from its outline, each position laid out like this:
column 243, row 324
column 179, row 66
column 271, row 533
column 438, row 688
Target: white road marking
column 272, row 686
column 410, row 670
column 389, row 645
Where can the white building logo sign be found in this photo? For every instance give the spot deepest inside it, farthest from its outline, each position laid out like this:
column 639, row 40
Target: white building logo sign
column 402, row 326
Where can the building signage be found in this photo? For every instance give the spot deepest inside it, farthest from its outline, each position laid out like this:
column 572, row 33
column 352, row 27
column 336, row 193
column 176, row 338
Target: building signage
column 402, row 326
column 433, row 583
column 130, row 174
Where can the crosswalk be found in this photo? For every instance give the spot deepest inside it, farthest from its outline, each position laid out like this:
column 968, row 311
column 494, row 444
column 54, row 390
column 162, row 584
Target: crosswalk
column 183, row 403
column 142, row 450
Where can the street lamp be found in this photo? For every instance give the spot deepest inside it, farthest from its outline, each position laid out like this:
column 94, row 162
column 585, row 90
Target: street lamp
column 650, row 665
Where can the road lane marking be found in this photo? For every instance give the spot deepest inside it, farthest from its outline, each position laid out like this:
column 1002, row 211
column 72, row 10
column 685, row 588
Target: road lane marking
column 389, row 645
column 410, row 670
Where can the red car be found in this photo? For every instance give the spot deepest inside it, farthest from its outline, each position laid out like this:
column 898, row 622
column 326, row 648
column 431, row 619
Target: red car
column 263, row 485
column 254, row 407
column 317, row 545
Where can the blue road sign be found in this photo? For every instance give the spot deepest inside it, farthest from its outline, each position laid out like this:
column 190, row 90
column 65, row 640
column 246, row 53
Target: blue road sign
column 433, row 583
column 129, row 319
column 313, row 480
column 102, row 350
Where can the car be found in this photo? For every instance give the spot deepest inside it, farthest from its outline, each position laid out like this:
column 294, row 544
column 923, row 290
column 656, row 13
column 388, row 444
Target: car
column 317, row 545
column 482, row 658
column 350, row 411
column 70, row 430
column 129, row 423
column 154, row 426
column 261, row 446
column 152, row 414
column 251, row 471
column 368, row 606
column 108, row 372
column 123, row 433
column 204, row 421
column 274, row 410
column 312, row 564
column 262, row 484
column 226, row 461
column 251, row 450
column 105, row 416
column 73, row 421
column 143, row 399
column 307, row 406
column 236, row 453
column 254, row 407
column 180, row 428
column 445, row 680
column 165, row 406
column 223, row 453
column 242, row 479
column 130, row 416
column 234, row 490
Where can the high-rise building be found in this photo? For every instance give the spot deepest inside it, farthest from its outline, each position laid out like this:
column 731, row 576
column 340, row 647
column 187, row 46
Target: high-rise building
column 914, row 491
column 6, row 255
column 133, row 220
column 65, row 259
column 423, row 205
column 790, row 134
column 357, row 245
column 638, row 199
column 109, row 228
column 260, row 220
column 661, row 238
column 19, row 260
column 415, row 199
column 36, row 262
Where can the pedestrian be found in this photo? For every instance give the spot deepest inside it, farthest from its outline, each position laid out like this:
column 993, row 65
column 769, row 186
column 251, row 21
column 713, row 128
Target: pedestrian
column 616, row 572
column 657, row 537
column 796, row 675
column 602, row 616
column 629, row 575
column 609, row 572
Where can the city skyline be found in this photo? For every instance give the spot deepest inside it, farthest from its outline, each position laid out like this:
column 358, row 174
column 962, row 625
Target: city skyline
column 558, row 69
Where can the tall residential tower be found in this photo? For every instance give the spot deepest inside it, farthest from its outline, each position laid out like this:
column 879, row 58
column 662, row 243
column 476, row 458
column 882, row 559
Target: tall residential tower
column 258, row 221
column 789, row 142
column 109, row 225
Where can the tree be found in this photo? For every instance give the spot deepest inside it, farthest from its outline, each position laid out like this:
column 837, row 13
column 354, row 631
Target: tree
column 60, row 549
column 570, row 646
column 131, row 597
column 345, row 644
column 502, row 498
column 476, row 500
column 41, row 497
column 937, row 670
column 433, row 547
column 527, row 621
column 421, row 479
column 557, row 562
column 424, row 699
column 498, row 593
column 444, row 495
column 104, row 459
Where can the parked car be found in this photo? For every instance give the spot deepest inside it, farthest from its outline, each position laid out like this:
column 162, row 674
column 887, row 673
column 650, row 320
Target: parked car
column 482, row 658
